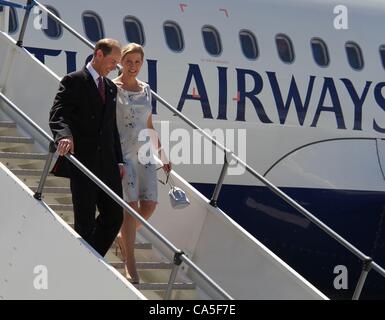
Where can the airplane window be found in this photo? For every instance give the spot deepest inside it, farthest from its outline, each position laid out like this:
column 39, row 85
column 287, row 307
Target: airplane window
column 53, row 29
column 174, row 36
column 320, row 52
column 382, row 54
column 248, row 44
column 13, row 22
column 93, row 26
column 212, row 40
column 134, row 30
column 354, row 54
column 284, row 48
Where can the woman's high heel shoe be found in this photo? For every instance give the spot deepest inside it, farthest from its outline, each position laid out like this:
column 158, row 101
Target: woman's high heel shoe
column 133, row 280
column 120, row 247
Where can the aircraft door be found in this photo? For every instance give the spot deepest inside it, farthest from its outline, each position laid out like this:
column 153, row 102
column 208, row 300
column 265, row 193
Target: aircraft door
column 380, row 143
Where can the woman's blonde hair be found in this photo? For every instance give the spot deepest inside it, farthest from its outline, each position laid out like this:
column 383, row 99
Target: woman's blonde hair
column 133, row 48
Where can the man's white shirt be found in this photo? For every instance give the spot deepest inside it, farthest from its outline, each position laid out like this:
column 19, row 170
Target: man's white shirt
column 95, row 75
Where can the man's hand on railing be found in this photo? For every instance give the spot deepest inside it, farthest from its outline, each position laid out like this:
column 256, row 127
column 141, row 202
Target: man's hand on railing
column 65, row 145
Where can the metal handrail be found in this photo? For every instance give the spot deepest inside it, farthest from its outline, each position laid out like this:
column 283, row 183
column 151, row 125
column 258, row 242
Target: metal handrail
column 117, row 199
column 65, row 25
column 229, row 155
column 272, row 187
column 368, row 263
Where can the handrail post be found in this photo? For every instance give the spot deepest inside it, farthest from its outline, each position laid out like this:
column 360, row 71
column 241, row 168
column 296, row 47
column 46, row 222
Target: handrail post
column 366, row 266
column 217, row 190
column 25, row 22
column 174, row 272
column 43, row 178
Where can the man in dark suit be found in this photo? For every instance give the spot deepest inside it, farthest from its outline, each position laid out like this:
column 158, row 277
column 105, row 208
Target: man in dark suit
column 83, row 122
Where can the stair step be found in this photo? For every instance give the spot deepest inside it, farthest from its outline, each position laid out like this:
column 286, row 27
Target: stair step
column 145, row 265
column 55, row 190
column 163, row 286
column 7, row 124
column 16, row 139
column 22, row 155
column 27, row 172
column 62, row 207
column 138, row 245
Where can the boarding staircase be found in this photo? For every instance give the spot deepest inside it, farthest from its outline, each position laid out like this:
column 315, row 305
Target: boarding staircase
column 227, row 262
column 199, row 253
column 24, row 158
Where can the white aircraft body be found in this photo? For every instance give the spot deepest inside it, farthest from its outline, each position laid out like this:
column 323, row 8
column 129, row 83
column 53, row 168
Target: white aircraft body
column 296, row 88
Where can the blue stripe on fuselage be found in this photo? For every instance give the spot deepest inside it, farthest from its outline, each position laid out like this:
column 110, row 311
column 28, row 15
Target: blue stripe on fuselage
column 358, row 216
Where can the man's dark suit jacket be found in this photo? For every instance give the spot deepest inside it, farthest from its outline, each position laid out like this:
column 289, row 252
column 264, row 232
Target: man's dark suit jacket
column 78, row 111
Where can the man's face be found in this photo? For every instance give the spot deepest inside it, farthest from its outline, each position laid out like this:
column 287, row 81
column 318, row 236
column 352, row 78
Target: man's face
column 108, row 63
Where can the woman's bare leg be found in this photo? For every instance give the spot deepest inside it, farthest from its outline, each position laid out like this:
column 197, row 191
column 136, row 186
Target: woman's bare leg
column 147, row 208
column 128, row 234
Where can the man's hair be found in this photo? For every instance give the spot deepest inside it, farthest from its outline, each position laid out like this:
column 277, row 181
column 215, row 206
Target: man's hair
column 133, row 48
column 106, row 45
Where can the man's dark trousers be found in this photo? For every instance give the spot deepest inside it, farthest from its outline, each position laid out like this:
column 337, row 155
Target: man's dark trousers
column 79, row 112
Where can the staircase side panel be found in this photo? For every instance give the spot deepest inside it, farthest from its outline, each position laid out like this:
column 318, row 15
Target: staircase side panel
column 27, row 83
column 239, row 263
column 43, row 258
column 244, row 266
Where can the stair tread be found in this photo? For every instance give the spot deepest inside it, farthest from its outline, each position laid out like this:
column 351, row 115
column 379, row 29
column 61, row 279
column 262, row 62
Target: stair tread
column 7, row 124
column 61, row 207
column 163, row 286
column 145, row 265
column 53, row 189
column 138, row 245
column 119, row 264
column 27, row 172
column 16, row 139
column 23, row 155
